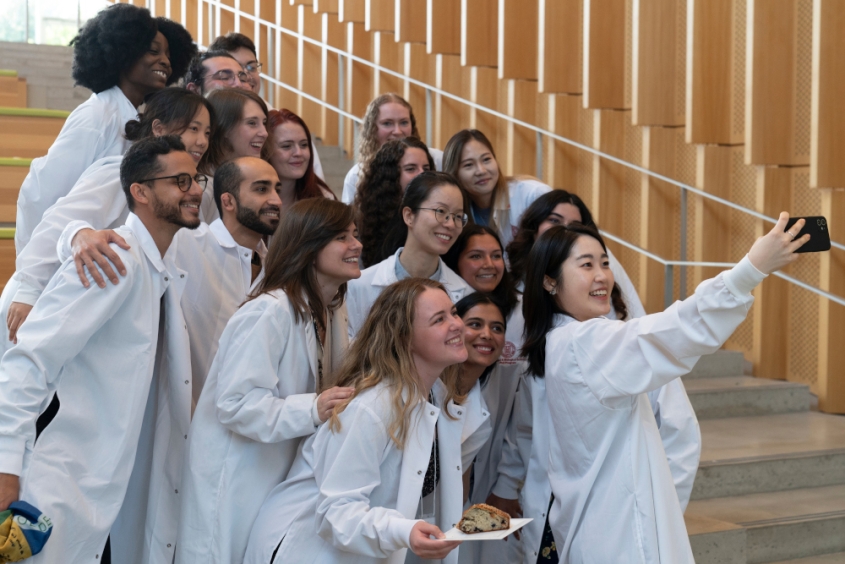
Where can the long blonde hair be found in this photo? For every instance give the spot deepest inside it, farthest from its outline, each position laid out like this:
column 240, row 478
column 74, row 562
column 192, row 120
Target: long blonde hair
column 500, row 213
column 381, row 352
column 369, row 145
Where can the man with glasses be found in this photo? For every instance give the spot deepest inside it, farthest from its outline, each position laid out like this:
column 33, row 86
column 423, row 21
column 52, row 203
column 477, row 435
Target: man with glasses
column 223, row 260
column 242, row 49
column 214, row 70
column 110, row 463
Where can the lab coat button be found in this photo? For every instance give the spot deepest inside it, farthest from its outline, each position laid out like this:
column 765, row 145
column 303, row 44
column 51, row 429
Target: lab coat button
column 166, row 278
column 177, row 491
column 168, row 545
column 419, row 472
column 181, row 276
column 187, row 381
column 459, row 467
column 460, row 412
column 432, row 413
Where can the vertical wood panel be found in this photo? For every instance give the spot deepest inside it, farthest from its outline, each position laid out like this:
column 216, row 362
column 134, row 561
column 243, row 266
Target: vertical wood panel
column 289, row 57
column 827, row 141
column 333, row 33
column 563, row 159
column 659, row 208
column 831, row 383
column 359, row 77
column 387, row 54
column 657, row 49
column 410, row 21
column 351, row 11
column 520, row 151
column 326, row 6
column 771, row 305
column 604, row 54
column 517, row 44
column 712, row 220
column 421, row 66
column 560, row 51
column 608, row 178
column 309, row 76
column 443, row 27
column 379, row 15
column 479, row 33
column 484, row 91
column 450, row 116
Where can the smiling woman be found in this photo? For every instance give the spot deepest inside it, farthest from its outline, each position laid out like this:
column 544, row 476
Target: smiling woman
column 123, row 54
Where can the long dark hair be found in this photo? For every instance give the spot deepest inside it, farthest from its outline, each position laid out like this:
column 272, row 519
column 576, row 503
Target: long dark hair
column 538, row 306
column 174, row 108
column 505, row 292
column 379, row 196
column 305, row 228
column 417, row 192
column 310, row 185
column 229, row 105
column 532, row 217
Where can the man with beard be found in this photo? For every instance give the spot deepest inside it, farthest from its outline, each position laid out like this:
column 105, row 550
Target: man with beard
column 111, row 461
column 223, row 259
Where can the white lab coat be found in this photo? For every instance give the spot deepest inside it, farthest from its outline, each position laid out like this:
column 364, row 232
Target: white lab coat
column 477, row 425
column 362, row 292
column 521, row 193
column 220, row 277
column 607, row 467
column 524, row 458
column 352, row 496
column 92, row 131
column 111, row 460
column 350, row 182
column 98, row 199
column 258, row 402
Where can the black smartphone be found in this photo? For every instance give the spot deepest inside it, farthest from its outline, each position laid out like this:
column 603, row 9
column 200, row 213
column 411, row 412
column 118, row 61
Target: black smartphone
column 816, row 226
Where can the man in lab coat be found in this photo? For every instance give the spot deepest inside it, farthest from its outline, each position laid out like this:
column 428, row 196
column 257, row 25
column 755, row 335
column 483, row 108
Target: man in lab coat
column 223, row 259
column 111, row 462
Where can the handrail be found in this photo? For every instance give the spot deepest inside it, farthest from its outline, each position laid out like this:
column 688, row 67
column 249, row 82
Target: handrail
column 667, row 264
column 500, row 115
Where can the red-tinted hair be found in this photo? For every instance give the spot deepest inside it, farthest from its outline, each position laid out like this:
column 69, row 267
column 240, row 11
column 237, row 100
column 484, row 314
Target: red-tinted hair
column 310, row 185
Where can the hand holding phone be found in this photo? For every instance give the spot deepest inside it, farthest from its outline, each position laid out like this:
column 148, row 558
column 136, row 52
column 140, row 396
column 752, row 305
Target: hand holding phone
column 817, row 228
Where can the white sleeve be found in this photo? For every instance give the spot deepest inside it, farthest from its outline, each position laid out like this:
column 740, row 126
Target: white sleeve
column 471, row 442
column 80, row 143
column 350, row 183
column 347, row 473
column 94, row 204
column 513, row 466
column 617, row 360
column 251, row 349
column 680, row 434
column 66, row 316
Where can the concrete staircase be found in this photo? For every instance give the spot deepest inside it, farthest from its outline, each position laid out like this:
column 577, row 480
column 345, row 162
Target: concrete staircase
column 335, row 166
column 771, row 483
column 46, row 69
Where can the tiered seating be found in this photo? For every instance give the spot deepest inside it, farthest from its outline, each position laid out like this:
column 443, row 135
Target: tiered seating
column 12, row 90
column 28, row 133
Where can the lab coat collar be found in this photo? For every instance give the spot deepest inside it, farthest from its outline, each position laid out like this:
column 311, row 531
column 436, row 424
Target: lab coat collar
column 385, row 275
column 134, row 223
column 127, row 110
column 225, row 239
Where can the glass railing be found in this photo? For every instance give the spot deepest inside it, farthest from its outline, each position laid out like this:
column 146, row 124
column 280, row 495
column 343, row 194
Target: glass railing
column 45, row 22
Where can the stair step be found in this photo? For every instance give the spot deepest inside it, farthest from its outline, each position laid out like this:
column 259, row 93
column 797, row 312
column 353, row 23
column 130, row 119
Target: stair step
column 715, row 542
column 737, row 396
column 836, row 558
column 782, row 525
column 719, row 364
column 746, row 455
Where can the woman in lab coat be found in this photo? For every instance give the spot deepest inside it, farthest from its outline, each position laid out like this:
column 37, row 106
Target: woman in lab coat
column 429, row 222
column 379, row 200
column 98, row 199
column 495, row 200
column 525, row 456
column 241, row 132
column 385, row 473
column 289, row 149
column 268, row 385
column 607, row 467
column 123, row 55
column 388, row 117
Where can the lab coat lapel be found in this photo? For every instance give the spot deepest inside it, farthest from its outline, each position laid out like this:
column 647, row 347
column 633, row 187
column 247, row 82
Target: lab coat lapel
column 415, row 459
column 340, row 338
column 313, row 348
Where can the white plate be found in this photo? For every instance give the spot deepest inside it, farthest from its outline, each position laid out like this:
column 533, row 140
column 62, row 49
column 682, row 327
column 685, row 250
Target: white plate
column 457, row 534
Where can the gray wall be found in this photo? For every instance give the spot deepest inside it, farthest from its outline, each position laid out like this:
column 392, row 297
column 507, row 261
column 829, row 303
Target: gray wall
column 46, row 69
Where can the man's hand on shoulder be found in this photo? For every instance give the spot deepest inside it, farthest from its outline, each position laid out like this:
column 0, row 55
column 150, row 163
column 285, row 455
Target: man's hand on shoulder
column 91, row 249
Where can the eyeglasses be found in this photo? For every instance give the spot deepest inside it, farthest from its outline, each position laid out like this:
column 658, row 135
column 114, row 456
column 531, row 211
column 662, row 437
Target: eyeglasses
column 442, row 216
column 183, row 181
column 229, row 76
column 253, row 67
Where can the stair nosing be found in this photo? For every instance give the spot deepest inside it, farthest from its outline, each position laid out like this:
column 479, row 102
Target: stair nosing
column 792, row 519
column 770, row 457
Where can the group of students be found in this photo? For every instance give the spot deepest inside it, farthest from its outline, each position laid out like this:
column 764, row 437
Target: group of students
column 211, row 359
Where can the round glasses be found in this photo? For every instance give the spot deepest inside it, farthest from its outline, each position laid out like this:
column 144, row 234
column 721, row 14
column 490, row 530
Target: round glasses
column 442, row 216
column 229, row 76
column 183, row 181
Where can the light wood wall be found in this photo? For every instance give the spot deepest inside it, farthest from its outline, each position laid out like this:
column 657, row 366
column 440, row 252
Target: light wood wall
column 744, row 99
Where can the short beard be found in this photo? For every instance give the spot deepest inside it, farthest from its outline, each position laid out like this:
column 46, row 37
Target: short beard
column 251, row 220
column 173, row 214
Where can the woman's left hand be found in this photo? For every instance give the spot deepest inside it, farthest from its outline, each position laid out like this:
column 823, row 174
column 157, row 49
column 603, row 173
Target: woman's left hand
column 327, row 401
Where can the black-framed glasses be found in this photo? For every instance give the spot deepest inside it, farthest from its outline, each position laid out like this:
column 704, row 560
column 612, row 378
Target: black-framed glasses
column 229, row 76
column 253, row 67
column 442, row 216
column 183, row 180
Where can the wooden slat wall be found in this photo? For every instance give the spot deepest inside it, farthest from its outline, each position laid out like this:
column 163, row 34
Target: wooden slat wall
column 742, row 98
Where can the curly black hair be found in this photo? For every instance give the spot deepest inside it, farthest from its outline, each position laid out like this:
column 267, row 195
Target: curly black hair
column 379, row 195
column 113, row 40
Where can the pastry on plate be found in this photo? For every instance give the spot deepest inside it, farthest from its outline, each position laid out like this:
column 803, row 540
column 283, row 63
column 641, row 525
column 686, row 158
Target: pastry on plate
column 482, row 518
